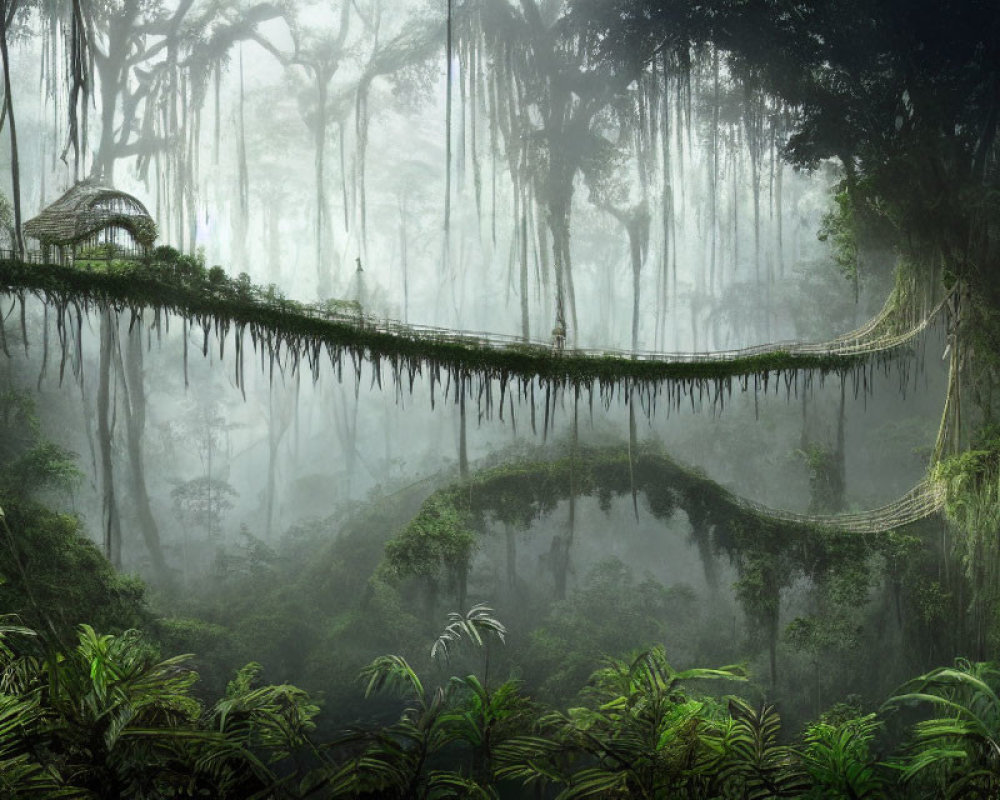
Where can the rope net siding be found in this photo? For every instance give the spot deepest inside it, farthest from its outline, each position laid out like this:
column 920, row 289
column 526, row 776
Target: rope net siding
column 923, row 500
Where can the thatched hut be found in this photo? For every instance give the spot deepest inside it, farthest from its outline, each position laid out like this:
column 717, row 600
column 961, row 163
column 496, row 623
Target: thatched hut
column 90, row 215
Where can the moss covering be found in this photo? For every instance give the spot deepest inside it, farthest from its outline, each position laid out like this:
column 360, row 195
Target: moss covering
column 440, row 538
column 288, row 332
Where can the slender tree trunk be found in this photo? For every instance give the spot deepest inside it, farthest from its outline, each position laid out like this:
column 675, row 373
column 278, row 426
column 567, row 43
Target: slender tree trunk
column 135, row 423
column 7, row 10
column 323, row 283
column 663, row 301
column 243, row 177
column 103, row 167
column 361, row 147
column 637, row 225
column 525, row 323
column 463, row 453
column 561, row 545
column 273, row 437
column 778, row 211
column 559, row 227
column 404, row 258
column 542, row 258
column 736, row 204
column 510, row 535
column 112, row 525
column 447, row 139
column 714, row 194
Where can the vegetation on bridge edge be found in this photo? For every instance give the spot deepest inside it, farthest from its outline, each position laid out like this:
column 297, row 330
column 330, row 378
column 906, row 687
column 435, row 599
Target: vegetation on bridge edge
column 181, row 285
column 438, row 543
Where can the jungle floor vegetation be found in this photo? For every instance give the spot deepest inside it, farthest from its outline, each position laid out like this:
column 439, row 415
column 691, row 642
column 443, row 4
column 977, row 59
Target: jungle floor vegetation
column 105, row 716
column 351, row 657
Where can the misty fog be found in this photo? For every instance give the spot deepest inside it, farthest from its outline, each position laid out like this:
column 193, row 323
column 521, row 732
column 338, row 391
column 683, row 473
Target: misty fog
column 494, row 177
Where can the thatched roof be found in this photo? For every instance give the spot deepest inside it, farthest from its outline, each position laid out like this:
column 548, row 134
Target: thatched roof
column 87, row 209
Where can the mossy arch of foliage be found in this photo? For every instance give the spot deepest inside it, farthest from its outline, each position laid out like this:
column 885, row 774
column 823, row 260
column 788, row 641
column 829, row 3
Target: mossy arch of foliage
column 438, row 543
column 286, row 334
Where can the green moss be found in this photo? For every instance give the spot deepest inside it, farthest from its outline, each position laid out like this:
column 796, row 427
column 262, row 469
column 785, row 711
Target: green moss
column 42, row 549
column 838, row 228
column 170, row 282
column 522, row 491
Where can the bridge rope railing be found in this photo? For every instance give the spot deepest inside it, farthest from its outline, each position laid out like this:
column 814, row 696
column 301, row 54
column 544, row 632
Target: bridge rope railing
column 923, row 500
column 862, row 341
column 302, row 329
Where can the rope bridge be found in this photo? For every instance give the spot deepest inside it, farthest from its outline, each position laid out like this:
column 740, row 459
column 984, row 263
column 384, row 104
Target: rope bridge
column 923, row 500
column 304, row 330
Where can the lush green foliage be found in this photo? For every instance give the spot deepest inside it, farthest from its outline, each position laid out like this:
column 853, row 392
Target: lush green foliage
column 103, row 716
column 955, row 754
column 40, row 548
column 106, row 719
column 972, row 482
column 211, row 300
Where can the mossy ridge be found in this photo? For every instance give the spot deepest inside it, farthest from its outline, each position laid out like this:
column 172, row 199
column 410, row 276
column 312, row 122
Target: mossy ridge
column 286, row 332
column 442, row 536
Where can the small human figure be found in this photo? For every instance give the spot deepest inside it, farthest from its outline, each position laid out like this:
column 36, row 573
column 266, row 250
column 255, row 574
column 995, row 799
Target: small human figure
column 558, row 337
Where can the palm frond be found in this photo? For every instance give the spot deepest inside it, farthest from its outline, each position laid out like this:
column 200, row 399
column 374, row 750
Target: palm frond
column 475, row 625
column 392, row 672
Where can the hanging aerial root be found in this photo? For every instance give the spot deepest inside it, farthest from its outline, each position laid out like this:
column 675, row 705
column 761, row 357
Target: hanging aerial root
column 3, row 335
column 24, row 322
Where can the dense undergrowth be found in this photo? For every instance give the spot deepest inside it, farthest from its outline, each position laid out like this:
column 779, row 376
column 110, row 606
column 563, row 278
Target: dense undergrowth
column 565, row 697
column 477, row 709
column 575, row 695
column 106, row 717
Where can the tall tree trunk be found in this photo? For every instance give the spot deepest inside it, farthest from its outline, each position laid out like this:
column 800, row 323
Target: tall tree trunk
column 404, row 257
column 510, row 536
column 778, row 211
column 273, row 439
column 243, row 179
column 637, row 225
column 713, row 218
column 447, row 140
column 323, row 283
column 103, row 168
column 736, row 204
column 361, row 147
column 663, row 300
column 111, row 522
column 561, row 545
column 135, row 423
column 558, row 214
column 525, row 322
column 463, row 452
column 7, row 10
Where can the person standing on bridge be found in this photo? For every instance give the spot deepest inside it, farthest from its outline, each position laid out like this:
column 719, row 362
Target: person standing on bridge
column 558, row 337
